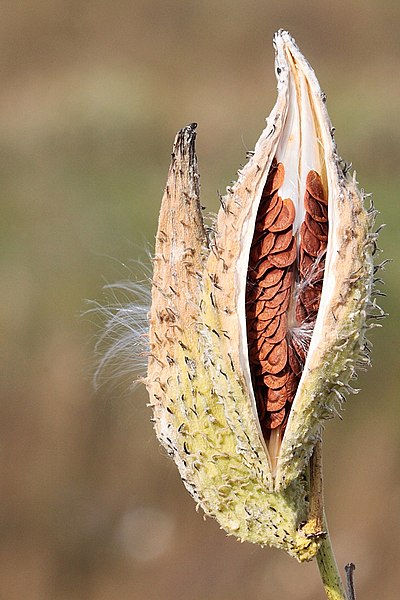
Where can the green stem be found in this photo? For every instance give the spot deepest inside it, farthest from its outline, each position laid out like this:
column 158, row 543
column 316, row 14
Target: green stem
column 325, row 558
column 329, row 570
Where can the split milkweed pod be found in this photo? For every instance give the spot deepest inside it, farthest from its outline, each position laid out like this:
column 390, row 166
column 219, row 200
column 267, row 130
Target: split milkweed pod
column 256, row 328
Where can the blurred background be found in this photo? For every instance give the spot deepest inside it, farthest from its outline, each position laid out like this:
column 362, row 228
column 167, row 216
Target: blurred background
column 91, row 96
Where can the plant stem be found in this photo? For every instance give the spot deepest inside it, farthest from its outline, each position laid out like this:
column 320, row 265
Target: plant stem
column 325, row 558
column 350, row 568
column 329, row 570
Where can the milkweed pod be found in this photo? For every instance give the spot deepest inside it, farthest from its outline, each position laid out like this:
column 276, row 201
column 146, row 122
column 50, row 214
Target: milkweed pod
column 257, row 327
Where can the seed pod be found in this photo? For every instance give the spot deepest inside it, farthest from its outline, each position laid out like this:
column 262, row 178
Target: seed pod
column 256, row 329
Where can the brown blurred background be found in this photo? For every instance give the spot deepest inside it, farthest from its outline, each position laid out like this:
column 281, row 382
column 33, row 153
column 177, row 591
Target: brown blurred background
column 91, row 95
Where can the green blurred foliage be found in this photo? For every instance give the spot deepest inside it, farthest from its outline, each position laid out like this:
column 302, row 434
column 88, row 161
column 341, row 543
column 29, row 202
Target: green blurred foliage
column 91, row 96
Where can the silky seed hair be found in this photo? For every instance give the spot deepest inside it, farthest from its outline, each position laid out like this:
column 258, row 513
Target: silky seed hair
column 122, row 347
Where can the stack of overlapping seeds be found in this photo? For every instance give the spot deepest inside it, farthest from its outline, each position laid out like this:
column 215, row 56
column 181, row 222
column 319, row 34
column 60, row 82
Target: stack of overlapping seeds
column 284, row 278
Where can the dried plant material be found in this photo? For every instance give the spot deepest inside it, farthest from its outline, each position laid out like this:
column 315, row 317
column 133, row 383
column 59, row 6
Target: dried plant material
column 256, row 330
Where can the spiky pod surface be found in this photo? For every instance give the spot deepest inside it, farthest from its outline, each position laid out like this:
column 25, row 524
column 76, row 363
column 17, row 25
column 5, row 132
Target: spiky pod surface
column 199, row 376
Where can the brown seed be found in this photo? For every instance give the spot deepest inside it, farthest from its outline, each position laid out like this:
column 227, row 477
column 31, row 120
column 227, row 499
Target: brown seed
column 306, row 263
column 272, row 277
column 258, row 343
column 259, row 325
column 317, row 210
column 291, row 387
column 277, row 357
column 275, row 419
column 277, row 300
column 252, row 295
column 294, row 361
column 308, row 241
column 251, row 277
column 272, row 327
column 285, row 218
column 266, row 205
column 257, row 308
column 263, row 266
column 281, row 240
column 285, row 258
column 313, row 291
column 275, row 178
column 265, row 349
column 319, row 230
column 272, row 215
column 267, row 243
column 268, row 216
column 270, row 292
column 280, row 332
column 278, row 380
column 269, row 313
column 276, row 399
column 315, row 188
